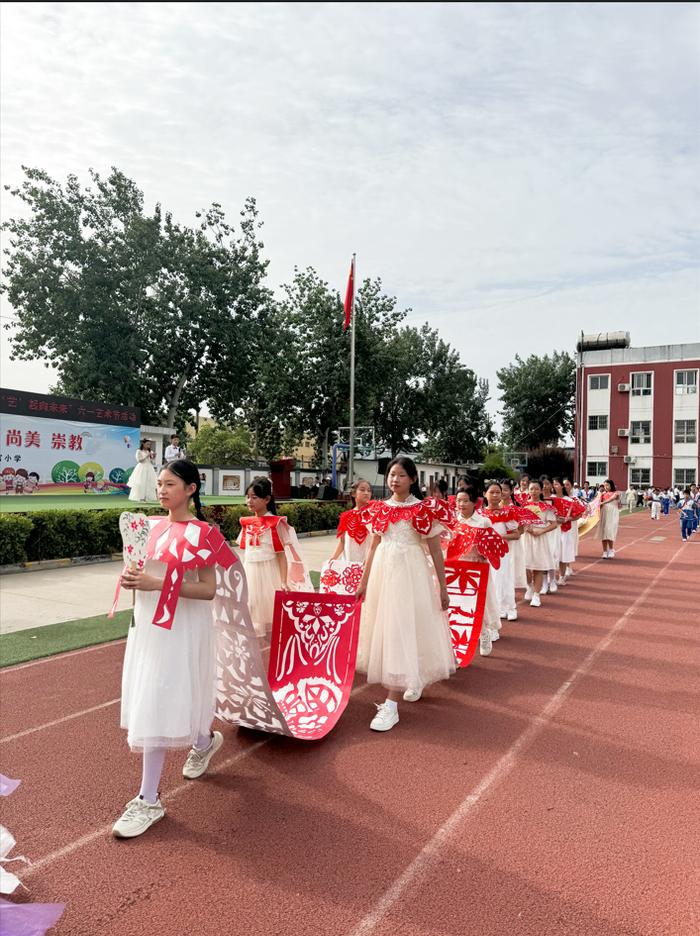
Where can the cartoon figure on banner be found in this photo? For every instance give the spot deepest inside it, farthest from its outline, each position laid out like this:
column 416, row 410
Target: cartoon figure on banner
column 475, row 540
column 8, row 477
column 20, row 480
column 32, row 483
column 272, row 556
column 89, row 483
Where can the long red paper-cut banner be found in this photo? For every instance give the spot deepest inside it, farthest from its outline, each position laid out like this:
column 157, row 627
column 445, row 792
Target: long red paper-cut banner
column 466, row 585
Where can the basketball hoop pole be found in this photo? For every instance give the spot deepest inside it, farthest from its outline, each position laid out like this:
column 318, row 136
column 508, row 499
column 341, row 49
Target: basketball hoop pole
column 351, row 451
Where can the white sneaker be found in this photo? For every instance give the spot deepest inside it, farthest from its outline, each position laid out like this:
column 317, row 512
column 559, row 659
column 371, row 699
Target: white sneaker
column 485, row 643
column 553, row 588
column 528, row 593
column 385, row 718
column 494, row 634
column 605, row 555
column 611, row 554
column 561, row 581
column 412, row 695
column 198, row 761
column 137, row 818
column 502, row 615
column 569, row 571
column 536, row 602
column 512, row 616
column 544, row 589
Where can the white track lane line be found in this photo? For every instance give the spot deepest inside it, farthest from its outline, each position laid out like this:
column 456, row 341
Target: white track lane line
column 84, row 840
column 423, row 862
column 60, row 721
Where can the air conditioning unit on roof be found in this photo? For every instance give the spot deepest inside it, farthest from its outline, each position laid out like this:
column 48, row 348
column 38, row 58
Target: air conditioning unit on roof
column 623, row 387
column 623, row 433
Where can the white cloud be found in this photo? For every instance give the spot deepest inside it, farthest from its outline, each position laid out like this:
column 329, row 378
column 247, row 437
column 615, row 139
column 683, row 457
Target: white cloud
column 514, row 172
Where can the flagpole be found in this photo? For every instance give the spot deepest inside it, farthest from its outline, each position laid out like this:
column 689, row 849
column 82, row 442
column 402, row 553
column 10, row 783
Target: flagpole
column 351, row 450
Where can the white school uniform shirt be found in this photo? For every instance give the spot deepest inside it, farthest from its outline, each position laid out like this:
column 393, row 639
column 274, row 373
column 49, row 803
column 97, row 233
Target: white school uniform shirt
column 173, row 452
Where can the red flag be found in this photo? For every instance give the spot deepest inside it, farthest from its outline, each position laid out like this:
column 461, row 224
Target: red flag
column 349, row 295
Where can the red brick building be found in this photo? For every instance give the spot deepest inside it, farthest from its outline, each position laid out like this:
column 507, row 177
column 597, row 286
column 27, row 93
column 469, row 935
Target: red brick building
column 637, row 415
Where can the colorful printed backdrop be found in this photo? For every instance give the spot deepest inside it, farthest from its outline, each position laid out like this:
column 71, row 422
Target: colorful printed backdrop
column 58, row 456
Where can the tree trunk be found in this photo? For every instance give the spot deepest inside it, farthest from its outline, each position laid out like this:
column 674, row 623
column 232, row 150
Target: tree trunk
column 175, row 399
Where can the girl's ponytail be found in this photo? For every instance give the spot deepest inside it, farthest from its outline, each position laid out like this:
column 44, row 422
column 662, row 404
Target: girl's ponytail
column 198, row 505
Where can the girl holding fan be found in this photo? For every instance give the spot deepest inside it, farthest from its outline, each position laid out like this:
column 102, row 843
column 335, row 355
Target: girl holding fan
column 169, row 676
column 405, row 641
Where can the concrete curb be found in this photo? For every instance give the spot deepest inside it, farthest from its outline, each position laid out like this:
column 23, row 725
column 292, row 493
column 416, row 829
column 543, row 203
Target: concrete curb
column 43, row 565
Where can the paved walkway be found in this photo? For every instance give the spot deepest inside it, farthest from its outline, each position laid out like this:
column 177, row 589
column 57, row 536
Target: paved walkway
column 33, row 599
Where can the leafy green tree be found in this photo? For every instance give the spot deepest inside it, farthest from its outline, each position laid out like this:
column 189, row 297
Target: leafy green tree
column 221, row 445
column 65, row 472
column 130, row 307
column 538, row 400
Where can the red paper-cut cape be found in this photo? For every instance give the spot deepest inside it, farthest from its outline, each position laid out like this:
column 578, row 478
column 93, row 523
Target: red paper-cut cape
column 487, row 541
column 340, row 577
column 350, row 522
column 252, row 528
column 466, row 585
column 422, row 515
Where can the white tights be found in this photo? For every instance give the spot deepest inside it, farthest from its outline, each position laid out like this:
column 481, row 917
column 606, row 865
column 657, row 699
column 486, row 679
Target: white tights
column 152, row 768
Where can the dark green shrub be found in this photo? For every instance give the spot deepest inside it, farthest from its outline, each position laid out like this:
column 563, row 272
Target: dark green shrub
column 14, row 532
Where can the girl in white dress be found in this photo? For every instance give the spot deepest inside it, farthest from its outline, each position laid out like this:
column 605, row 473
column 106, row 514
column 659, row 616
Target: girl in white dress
column 553, row 540
column 516, row 547
column 405, row 641
column 169, row 676
column 353, row 535
column 609, row 518
column 508, row 529
column 270, row 555
column 142, row 481
column 538, row 556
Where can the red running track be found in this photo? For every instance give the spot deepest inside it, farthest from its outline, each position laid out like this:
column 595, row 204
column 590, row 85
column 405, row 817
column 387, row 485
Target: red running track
column 551, row 788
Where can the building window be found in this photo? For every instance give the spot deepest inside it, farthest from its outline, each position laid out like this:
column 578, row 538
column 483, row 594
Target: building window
column 640, row 432
column 685, row 431
column 598, row 382
column 683, row 477
column 597, row 422
column 597, row 470
column 641, row 384
column 640, row 476
column 686, row 381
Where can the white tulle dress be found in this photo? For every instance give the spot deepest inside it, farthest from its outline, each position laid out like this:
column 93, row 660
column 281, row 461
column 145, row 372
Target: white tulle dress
column 261, row 548
column 492, row 611
column 169, row 676
column 142, row 480
column 404, row 640
column 539, row 556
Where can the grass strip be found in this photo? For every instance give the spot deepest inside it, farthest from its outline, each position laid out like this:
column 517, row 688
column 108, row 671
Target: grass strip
column 37, row 642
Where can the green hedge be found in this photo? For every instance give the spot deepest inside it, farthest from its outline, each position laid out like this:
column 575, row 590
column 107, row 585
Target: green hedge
column 66, row 534
column 14, row 532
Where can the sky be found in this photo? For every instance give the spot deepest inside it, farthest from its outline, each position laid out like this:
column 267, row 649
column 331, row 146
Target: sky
column 515, row 173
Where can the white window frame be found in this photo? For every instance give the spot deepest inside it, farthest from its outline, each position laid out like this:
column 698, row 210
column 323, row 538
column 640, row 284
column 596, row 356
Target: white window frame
column 684, row 386
column 640, row 483
column 597, row 473
column 598, row 377
column 642, row 391
column 686, row 432
column 640, row 438
column 597, row 427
